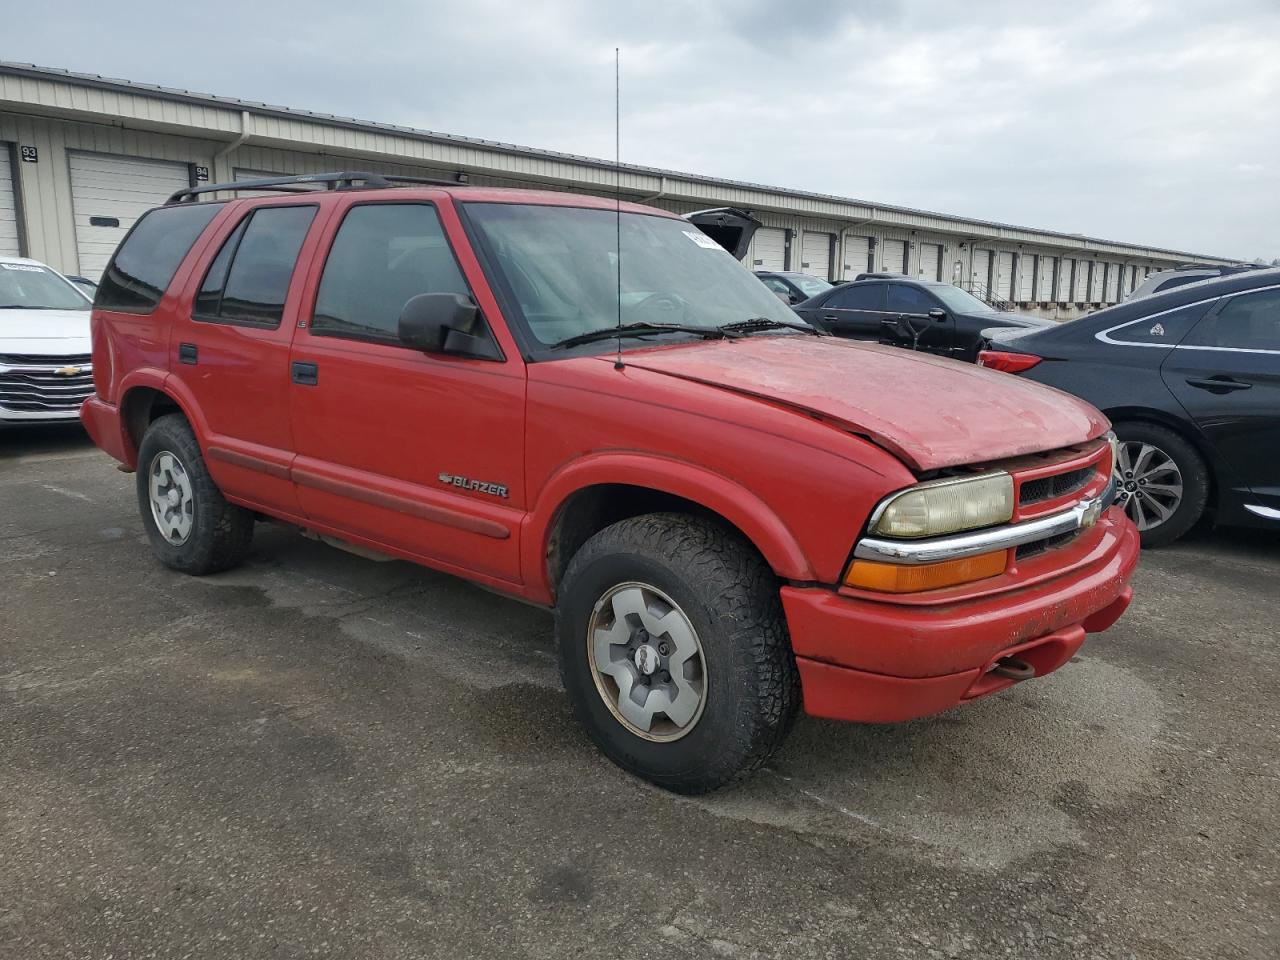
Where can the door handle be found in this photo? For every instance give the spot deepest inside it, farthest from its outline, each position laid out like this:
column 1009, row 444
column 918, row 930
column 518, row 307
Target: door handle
column 1219, row 384
column 305, row 372
column 830, row 316
column 188, row 353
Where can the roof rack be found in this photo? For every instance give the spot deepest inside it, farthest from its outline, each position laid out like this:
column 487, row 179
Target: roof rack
column 346, row 180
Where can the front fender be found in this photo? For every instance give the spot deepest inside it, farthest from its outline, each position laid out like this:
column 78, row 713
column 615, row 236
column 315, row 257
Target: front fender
column 717, row 493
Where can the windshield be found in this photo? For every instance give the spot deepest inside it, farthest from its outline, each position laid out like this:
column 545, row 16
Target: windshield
column 561, row 264
column 960, row 301
column 26, row 286
column 811, row 286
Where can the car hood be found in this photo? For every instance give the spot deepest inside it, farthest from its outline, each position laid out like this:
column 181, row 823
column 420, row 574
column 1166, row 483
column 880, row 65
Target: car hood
column 53, row 332
column 928, row 411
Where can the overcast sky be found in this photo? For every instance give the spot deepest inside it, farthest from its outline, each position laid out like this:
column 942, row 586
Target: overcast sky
column 1152, row 122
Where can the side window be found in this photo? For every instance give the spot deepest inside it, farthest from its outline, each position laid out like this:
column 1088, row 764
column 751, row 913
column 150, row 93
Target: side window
column 1163, row 329
column 248, row 279
column 857, row 296
column 1250, row 321
column 776, row 285
column 1181, row 281
column 909, row 299
column 143, row 267
column 383, row 255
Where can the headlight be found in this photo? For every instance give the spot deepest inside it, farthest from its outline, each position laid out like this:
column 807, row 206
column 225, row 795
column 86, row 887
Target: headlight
column 947, row 506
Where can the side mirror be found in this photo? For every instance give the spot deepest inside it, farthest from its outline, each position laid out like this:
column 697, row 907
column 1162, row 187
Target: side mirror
column 795, row 298
column 446, row 323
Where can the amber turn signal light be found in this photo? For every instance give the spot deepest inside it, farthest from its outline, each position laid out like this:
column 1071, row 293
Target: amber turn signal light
column 911, row 578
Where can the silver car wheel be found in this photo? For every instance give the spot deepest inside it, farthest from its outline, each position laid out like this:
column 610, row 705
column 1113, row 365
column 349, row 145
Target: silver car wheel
column 647, row 662
column 1148, row 483
column 172, row 497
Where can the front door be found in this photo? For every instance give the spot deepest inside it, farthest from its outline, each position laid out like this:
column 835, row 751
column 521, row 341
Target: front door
column 937, row 334
column 229, row 348
column 1226, row 375
column 423, row 453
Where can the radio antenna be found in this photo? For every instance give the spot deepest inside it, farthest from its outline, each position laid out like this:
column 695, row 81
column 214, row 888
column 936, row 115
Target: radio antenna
column 617, row 191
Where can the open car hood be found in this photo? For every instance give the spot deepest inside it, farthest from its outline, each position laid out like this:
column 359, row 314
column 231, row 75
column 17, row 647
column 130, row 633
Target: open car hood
column 728, row 226
column 927, row 411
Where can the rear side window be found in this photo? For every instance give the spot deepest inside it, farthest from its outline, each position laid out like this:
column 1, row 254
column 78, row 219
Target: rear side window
column 858, row 296
column 1250, row 321
column 383, row 255
column 248, row 279
column 142, row 268
column 1163, row 329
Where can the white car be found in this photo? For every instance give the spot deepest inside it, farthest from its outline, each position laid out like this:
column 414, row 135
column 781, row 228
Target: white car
column 45, row 370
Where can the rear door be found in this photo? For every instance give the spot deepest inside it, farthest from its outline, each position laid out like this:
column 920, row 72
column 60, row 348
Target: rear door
column 854, row 310
column 229, row 348
column 1226, row 375
column 728, row 226
column 420, row 452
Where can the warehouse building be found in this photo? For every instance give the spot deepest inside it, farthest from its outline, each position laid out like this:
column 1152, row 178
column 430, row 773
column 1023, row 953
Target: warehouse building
column 81, row 157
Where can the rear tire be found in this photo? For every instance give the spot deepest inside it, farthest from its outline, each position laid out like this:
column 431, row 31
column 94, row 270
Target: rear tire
column 191, row 526
column 1163, row 482
column 717, row 625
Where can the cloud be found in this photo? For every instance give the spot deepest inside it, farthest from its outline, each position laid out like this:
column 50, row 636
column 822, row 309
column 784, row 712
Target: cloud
column 1140, row 121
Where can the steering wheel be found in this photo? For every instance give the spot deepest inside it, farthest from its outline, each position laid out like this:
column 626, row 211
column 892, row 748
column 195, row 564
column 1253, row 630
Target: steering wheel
column 659, row 308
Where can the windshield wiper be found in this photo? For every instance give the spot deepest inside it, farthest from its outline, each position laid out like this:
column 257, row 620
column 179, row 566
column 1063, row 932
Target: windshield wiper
column 642, row 330
column 764, row 323
column 19, row 306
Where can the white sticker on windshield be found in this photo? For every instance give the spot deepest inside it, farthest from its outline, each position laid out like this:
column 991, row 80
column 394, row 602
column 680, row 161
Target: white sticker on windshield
column 1158, row 330
column 702, row 240
column 22, row 266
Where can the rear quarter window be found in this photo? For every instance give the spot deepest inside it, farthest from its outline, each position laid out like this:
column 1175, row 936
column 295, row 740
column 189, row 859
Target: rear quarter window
column 1161, row 329
column 146, row 261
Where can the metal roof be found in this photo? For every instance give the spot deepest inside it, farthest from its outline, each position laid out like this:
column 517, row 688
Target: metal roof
column 961, row 224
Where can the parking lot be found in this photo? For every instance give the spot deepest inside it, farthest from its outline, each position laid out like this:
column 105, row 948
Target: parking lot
column 321, row 755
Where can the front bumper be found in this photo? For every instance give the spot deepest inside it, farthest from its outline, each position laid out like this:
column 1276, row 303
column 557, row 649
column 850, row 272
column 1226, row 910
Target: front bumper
column 886, row 660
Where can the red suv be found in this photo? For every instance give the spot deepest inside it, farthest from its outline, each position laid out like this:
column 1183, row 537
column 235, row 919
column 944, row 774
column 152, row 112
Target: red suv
column 594, row 407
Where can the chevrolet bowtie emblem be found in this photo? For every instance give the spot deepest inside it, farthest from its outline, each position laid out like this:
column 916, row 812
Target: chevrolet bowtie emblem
column 68, row 371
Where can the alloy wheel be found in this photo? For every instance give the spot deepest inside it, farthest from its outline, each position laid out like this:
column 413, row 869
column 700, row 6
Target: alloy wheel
column 647, row 662
column 1149, row 484
column 172, row 497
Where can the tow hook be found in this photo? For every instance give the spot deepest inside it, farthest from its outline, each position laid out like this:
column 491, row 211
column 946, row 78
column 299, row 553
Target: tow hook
column 1013, row 669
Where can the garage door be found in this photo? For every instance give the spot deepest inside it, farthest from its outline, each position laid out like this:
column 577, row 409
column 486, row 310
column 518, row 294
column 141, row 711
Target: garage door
column 108, row 194
column 854, row 258
column 893, row 256
column 1004, row 276
column 1026, row 276
column 815, row 255
column 8, row 206
column 980, row 275
column 930, row 261
column 1095, row 282
column 1044, row 286
column 769, row 249
column 1113, row 282
column 1080, row 287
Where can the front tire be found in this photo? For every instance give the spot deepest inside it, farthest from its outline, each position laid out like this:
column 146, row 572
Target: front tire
column 1162, row 481
column 191, row 526
column 674, row 651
